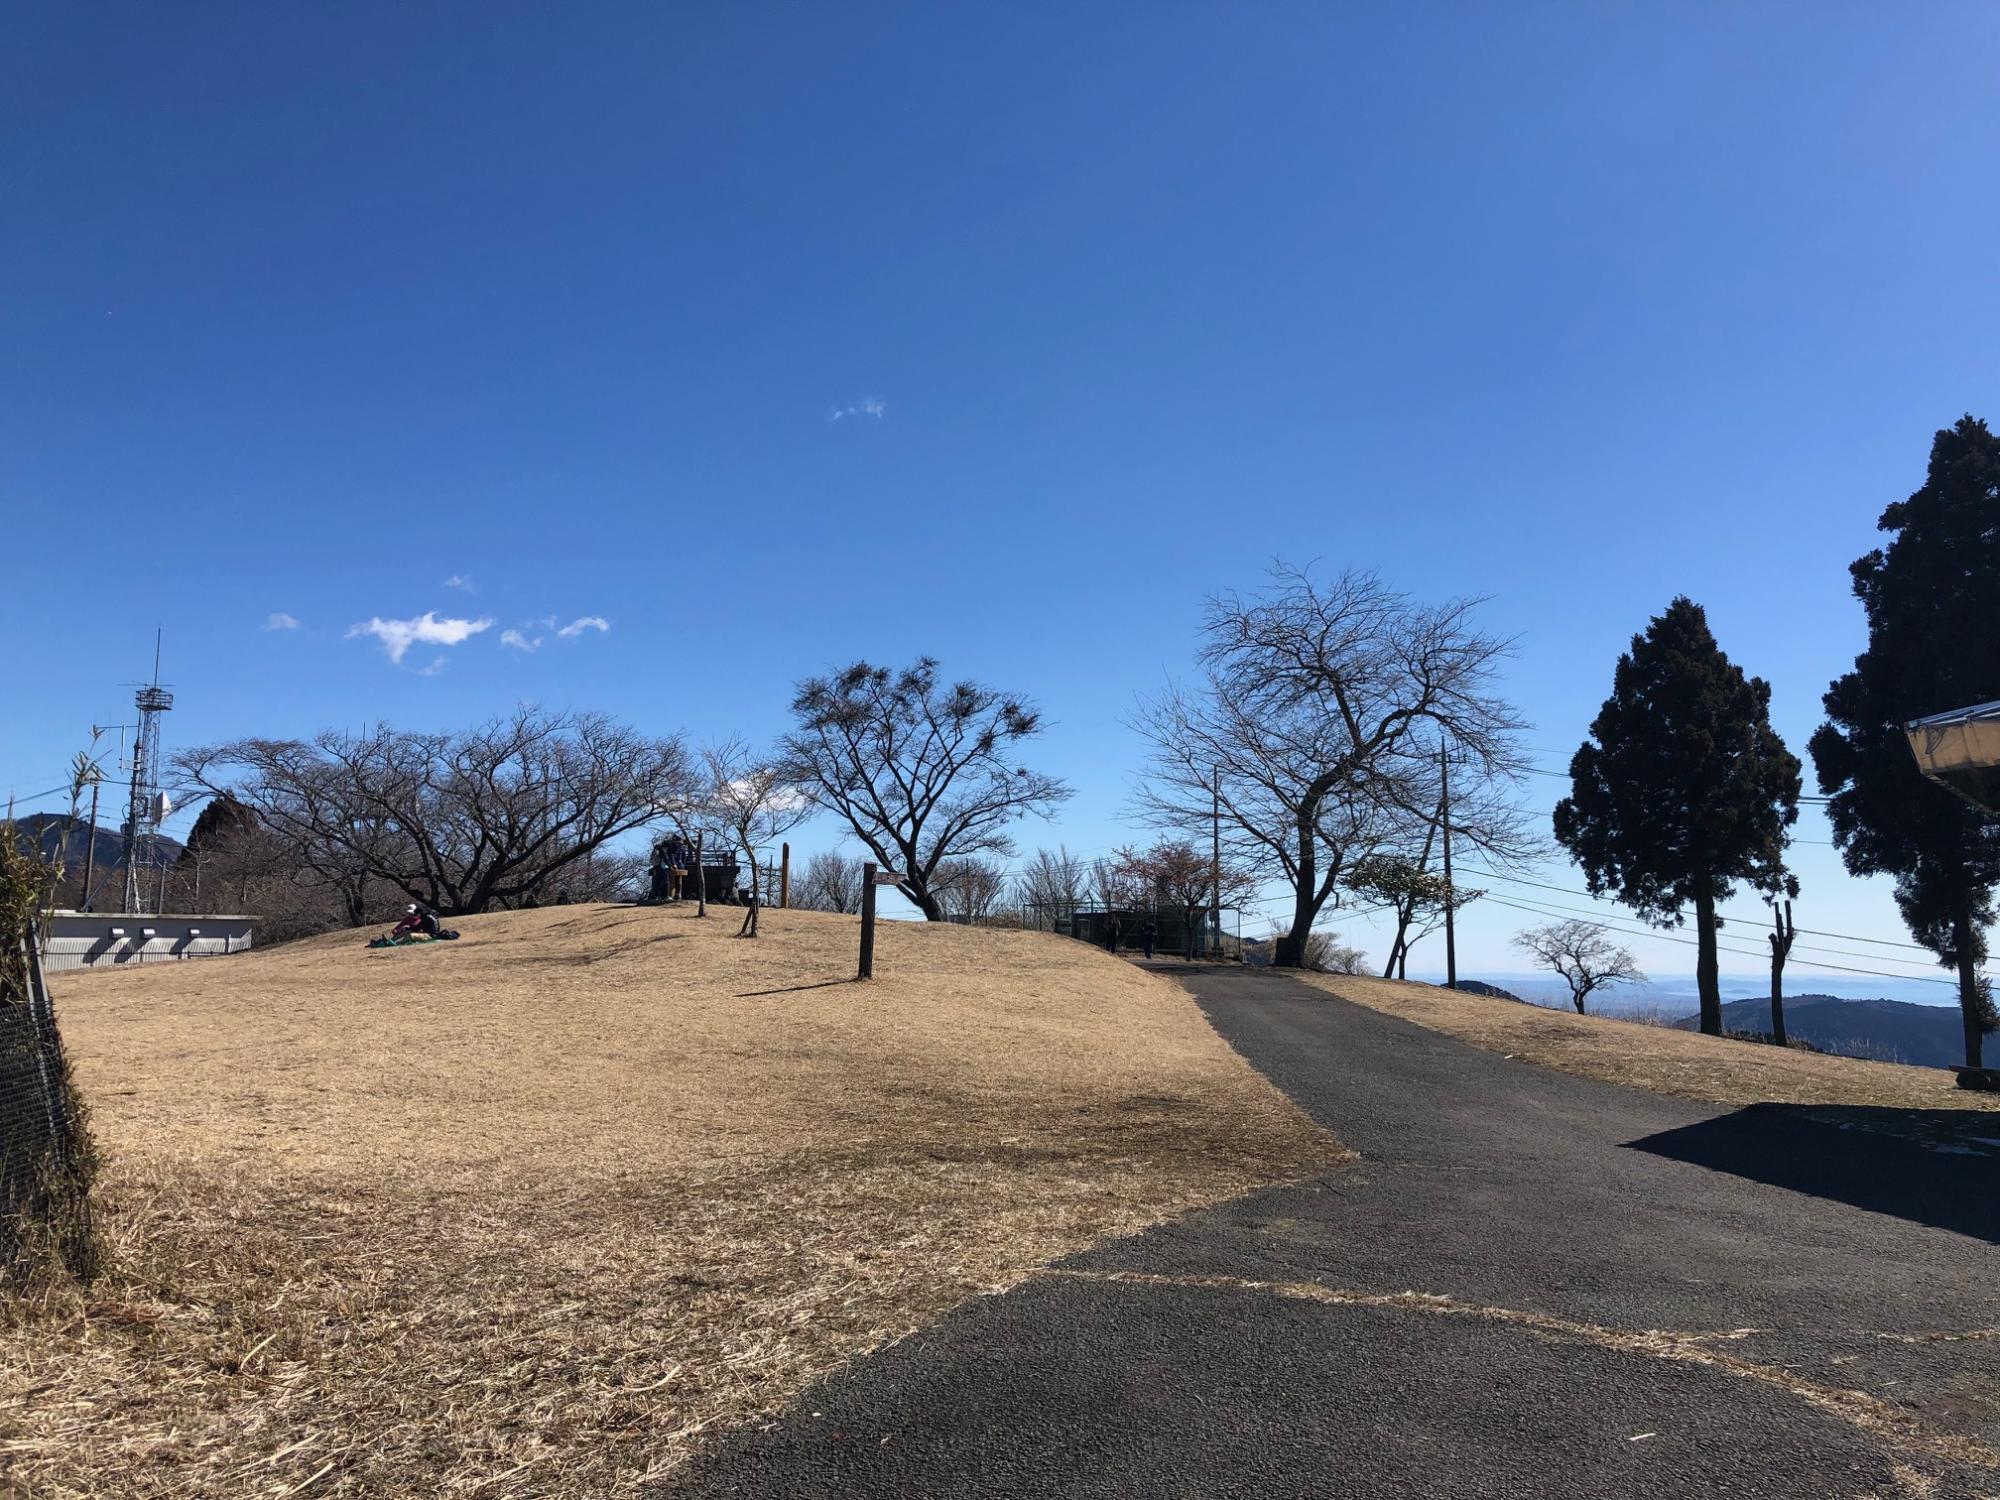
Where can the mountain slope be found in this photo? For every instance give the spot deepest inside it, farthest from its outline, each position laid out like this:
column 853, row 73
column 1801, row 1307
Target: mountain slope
column 44, row 833
column 1885, row 1030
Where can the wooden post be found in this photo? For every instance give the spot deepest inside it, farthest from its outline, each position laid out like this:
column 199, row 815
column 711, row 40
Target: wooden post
column 700, row 873
column 784, row 876
column 867, row 921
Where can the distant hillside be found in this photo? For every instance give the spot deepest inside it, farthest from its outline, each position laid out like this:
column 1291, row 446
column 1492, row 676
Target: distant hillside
column 1481, row 987
column 1886, row 1030
column 43, row 833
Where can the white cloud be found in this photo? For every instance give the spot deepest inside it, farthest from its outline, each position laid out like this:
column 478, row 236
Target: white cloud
column 582, row 623
column 281, row 621
column 397, row 636
column 436, row 666
column 460, row 581
column 867, row 406
column 514, row 638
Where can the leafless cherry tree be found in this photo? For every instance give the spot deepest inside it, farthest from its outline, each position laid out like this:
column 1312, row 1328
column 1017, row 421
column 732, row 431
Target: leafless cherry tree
column 969, row 888
column 923, row 772
column 1050, row 887
column 830, row 881
column 1584, row 954
column 754, row 798
column 460, row 822
column 1178, row 874
column 1319, row 722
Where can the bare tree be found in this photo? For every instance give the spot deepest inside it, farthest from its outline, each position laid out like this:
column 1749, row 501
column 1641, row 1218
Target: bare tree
column 1584, row 954
column 1318, row 726
column 1177, row 874
column 1325, row 953
column 829, row 882
column 460, row 822
column 1050, row 887
column 969, row 888
column 922, row 772
column 754, row 798
column 1115, row 886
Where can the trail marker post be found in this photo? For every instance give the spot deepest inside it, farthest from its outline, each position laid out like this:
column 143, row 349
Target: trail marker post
column 871, row 877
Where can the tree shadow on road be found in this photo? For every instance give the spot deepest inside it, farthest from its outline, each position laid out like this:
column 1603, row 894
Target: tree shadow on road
column 1934, row 1166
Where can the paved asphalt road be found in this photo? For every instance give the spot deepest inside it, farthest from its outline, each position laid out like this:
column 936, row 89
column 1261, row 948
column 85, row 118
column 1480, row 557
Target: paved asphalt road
column 1527, row 1285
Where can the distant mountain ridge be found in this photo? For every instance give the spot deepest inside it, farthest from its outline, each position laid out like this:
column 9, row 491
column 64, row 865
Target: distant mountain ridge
column 1930, row 1036
column 43, row 833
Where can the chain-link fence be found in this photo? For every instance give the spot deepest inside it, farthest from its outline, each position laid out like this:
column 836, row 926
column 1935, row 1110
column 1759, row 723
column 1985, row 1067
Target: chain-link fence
column 44, row 1165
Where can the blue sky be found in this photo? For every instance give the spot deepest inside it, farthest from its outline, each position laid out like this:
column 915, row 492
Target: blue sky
column 772, row 336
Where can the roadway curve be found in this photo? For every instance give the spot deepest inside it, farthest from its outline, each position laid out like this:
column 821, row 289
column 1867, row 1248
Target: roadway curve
column 1528, row 1284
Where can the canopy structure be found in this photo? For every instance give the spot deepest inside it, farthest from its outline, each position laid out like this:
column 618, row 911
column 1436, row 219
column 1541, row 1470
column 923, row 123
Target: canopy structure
column 1961, row 750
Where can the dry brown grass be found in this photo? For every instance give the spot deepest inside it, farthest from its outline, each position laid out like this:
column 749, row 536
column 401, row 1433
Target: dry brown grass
column 528, row 1213
column 1716, row 1070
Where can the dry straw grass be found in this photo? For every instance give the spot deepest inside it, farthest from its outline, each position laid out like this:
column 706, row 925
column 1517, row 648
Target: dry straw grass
column 529, row 1213
column 1716, row 1070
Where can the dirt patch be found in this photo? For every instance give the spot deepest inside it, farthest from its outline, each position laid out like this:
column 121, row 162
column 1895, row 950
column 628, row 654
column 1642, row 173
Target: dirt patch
column 1715, row 1070
column 473, row 1220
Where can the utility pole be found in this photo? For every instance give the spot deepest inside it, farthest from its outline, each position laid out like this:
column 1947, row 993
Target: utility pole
column 1215, row 862
column 1450, row 893
column 1781, row 949
column 700, row 879
column 90, row 850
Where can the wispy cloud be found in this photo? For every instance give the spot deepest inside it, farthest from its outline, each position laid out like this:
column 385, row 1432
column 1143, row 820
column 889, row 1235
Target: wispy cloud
column 279, row 620
column 520, row 642
column 462, row 582
column 436, row 666
column 867, row 406
column 582, row 623
column 397, row 636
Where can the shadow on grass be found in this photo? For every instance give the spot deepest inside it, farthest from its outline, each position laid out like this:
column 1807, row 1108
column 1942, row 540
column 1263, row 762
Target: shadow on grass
column 821, row 984
column 1932, row 1166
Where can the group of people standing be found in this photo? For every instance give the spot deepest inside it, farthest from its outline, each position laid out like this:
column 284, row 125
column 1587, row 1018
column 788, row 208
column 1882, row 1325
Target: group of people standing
column 671, row 861
column 1149, row 933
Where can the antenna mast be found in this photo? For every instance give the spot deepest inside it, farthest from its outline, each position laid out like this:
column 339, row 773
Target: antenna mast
column 148, row 806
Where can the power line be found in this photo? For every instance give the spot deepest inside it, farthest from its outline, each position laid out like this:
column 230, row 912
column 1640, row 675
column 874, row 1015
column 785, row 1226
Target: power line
column 1815, row 932
column 1667, row 937
column 1565, row 776
column 33, row 798
column 1596, row 915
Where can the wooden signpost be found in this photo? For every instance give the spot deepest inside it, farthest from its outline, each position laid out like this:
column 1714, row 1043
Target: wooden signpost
column 870, row 878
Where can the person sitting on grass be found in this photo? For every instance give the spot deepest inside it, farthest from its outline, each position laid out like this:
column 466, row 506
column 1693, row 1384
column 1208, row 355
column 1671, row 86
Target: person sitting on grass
column 417, row 920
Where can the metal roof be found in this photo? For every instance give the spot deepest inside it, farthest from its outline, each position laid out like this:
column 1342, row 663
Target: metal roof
column 1957, row 715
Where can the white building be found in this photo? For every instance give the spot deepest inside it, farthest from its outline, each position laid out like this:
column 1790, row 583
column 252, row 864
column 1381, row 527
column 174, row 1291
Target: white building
column 87, row 940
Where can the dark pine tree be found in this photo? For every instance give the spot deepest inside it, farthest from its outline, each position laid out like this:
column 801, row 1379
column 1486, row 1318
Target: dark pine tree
column 1683, row 789
column 1931, row 597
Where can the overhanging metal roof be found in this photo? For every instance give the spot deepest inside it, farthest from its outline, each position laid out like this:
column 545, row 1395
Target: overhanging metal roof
column 1960, row 750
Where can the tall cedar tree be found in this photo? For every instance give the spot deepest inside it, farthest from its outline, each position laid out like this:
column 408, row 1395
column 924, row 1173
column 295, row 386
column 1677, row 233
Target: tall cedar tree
column 1686, row 790
column 223, row 820
column 1933, row 645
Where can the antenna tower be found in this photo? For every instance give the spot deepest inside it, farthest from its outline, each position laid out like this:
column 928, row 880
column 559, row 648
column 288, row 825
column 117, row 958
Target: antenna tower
column 149, row 804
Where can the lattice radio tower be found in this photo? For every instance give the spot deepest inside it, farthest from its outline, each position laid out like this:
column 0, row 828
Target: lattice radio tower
column 149, row 805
